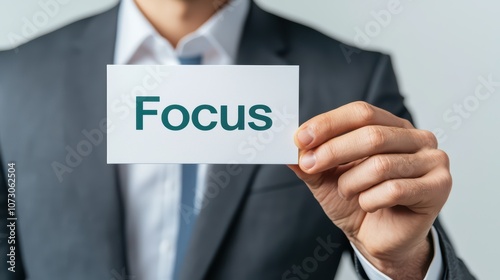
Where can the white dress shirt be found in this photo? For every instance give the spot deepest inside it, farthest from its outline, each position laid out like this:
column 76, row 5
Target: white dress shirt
column 152, row 192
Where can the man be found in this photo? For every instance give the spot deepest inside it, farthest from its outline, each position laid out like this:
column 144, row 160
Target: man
column 380, row 181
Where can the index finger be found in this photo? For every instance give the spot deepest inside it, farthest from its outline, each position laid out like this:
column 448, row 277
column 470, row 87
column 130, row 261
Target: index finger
column 352, row 116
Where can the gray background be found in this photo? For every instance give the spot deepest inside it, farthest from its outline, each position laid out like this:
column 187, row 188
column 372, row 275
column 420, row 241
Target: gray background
column 439, row 48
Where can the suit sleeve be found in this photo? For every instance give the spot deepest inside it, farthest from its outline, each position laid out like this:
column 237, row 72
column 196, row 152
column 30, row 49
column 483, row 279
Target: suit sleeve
column 383, row 91
column 5, row 233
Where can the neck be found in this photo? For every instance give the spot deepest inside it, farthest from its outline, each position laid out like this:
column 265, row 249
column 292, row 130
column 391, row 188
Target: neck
column 174, row 19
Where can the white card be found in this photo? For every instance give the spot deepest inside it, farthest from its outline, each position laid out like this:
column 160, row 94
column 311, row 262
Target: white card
column 202, row 114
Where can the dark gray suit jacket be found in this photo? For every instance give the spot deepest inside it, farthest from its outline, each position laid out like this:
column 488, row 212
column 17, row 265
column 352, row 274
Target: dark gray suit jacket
column 263, row 225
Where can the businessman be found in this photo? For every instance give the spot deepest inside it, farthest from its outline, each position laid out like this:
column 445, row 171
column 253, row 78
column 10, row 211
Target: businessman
column 367, row 181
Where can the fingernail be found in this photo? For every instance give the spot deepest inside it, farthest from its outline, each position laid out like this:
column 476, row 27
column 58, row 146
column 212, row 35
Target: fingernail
column 305, row 137
column 308, row 160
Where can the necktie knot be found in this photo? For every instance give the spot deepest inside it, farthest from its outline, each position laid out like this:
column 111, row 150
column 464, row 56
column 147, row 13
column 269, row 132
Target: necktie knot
column 190, row 60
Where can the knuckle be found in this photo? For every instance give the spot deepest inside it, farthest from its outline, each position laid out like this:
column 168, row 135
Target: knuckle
column 442, row 185
column 395, row 190
column 325, row 153
column 365, row 111
column 446, row 180
column 442, row 157
column 331, row 151
column 323, row 123
column 382, row 165
column 429, row 139
column 376, row 136
column 365, row 202
column 406, row 167
column 343, row 185
column 407, row 123
column 312, row 126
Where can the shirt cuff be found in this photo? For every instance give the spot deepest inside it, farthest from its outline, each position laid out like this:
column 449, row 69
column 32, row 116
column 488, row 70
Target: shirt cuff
column 434, row 272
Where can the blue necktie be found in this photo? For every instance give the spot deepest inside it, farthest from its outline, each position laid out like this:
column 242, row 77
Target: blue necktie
column 187, row 216
column 190, row 60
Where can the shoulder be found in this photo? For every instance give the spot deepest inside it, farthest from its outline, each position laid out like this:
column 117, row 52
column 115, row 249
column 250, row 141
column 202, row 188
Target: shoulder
column 54, row 45
column 323, row 54
column 44, row 60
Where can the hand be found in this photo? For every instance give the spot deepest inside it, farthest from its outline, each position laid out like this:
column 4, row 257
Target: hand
column 380, row 180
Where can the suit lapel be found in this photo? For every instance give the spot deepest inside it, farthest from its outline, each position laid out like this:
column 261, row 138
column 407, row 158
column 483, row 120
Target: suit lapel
column 85, row 106
column 263, row 40
column 261, row 44
column 85, row 85
column 221, row 202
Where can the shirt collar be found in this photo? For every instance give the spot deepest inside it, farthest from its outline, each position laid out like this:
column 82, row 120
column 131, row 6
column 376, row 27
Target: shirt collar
column 221, row 33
